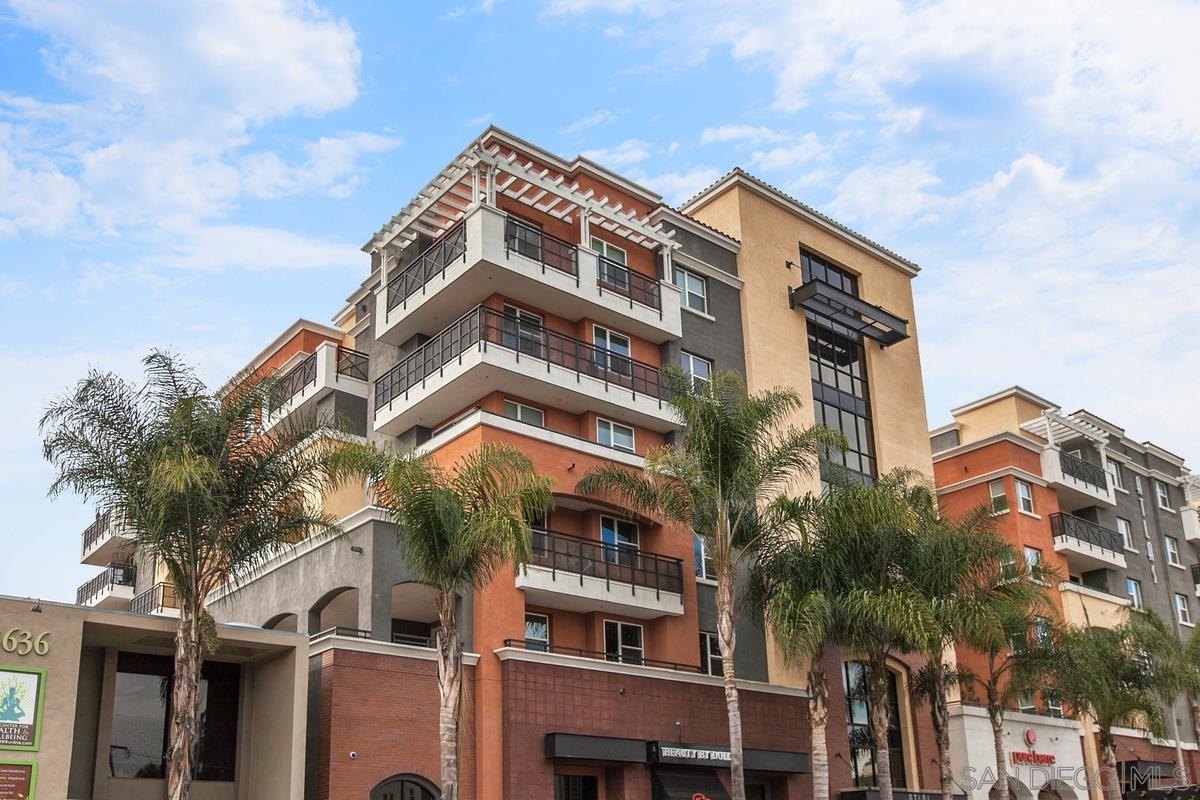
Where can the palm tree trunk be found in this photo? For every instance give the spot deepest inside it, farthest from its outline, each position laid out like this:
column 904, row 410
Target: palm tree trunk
column 818, row 717
column 449, row 660
column 1108, row 758
column 726, row 632
column 1180, row 768
column 185, row 702
column 877, row 681
column 940, row 715
column 996, row 716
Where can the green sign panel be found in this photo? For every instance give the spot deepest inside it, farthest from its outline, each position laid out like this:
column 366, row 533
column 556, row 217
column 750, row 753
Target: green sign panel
column 22, row 692
column 17, row 780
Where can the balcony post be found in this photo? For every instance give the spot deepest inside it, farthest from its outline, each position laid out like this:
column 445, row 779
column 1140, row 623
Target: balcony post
column 585, row 228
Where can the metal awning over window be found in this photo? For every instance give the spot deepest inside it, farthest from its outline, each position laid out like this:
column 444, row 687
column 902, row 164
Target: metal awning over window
column 688, row 785
column 846, row 310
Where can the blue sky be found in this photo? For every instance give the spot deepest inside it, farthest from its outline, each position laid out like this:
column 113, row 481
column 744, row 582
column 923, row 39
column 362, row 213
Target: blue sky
column 198, row 177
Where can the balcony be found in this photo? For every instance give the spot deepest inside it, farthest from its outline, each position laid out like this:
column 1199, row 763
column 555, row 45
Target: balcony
column 1085, row 606
column 105, row 541
column 1190, row 517
column 329, row 368
column 1079, row 483
column 486, row 351
column 159, row 600
column 490, row 252
column 1086, row 545
column 112, row 588
column 583, row 575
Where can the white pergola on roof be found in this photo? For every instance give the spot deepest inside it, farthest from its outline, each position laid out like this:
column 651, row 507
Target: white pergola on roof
column 1054, row 426
column 447, row 198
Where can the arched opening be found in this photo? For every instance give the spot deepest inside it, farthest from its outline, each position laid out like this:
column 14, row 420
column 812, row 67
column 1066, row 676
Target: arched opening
column 337, row 609
column 1016, row 791
column 858, row 720
column 282, row 622
column 1057, row 790
column 405, row 787
column 414, row 614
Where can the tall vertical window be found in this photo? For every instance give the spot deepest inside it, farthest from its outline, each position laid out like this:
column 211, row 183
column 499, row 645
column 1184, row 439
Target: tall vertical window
column 1033, row 563
column 858, row 719
column 1024, row 496
column 838, row 369
column 710, row 653
column 141, row 713
column 999, row 499
column 699, row 368
column 1133, row 588
column 623, row 642
column 693, row 290
column 1114, row 473
column 704, row 563
column 1126, row 531
column 612, row 266
column 522, row 331
column 1171, row 545
column 1162, row 494
column 612, row 350
column 1183, row 611
column 620, row 538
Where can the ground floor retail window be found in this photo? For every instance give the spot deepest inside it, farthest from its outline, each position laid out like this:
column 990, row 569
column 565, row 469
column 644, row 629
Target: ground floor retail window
column 858, row 718
column 576, row 787
column 141, row 712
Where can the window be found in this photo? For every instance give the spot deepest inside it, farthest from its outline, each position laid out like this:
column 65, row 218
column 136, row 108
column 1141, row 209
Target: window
column 858, row 720
column 576, row 787
column 524, row 413
column 1024, row 496
column 407, row 787
column 1164, row 496
column 1133, row 588
column 522, row 331
column 614, row 434
column 1033, row 563
column 1042, row 630
column 710, row 654
column 999, row 497
column 524, row 237
column 141, row 711
column 1025, row 701
column 704, row 563
column 694, row 290
column 1053, row 703
column 1114, row 473
column 1126, row 531
column 1137, row 484
column 1171, row 544
column 612, row 267
column 612, row 350
column 1183, row 611
column 537, row 632
column 838, row 368
column 623, row 642
column 620, row 538
column 1008, row 566
column 699, row 368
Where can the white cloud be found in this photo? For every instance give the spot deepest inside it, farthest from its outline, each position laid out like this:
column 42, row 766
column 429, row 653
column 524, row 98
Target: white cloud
column 675, row 187
column 220, row 247
column 628, row 152
column 332, row 166
column 41, row 201
column 888, row 196
column 590, row 121
column 741, row 133
column 794, row 154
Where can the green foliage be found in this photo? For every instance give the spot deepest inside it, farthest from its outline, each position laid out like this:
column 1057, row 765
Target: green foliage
column 202, row 487
column 456, row 526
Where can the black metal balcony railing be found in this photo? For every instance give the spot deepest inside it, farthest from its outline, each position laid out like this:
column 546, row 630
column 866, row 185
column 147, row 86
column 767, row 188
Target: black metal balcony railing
column 157, row 598
column 412, row 640
column 96, row 531
column 543, row 647
column 483, row 327
column 110, row 576
column 1084, row 471
column 549, row 251
column 360, row 633
column 432, row 261
column 1065, row 526
column 352, row 363
column 298, row 378
column 561, row 552
column 626, row 282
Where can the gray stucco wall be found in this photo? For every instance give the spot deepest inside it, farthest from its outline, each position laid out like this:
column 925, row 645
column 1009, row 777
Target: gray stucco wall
column 87, row 721
column 750, row 657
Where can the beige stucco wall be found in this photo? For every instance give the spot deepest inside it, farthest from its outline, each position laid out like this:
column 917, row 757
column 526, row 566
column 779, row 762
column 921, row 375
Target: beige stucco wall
column 776, row 335
column 1003, row 414
column 1086, row 611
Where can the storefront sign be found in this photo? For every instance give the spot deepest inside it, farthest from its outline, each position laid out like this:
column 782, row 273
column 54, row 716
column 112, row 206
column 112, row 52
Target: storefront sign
column 687, row 754
column 22, row 692
column 1032, row 757
column 17, row 780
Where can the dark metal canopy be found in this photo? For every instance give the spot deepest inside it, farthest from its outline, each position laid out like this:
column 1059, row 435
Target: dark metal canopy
column 848, row 311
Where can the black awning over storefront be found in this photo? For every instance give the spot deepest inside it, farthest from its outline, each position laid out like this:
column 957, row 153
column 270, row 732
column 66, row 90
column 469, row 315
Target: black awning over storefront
column 668, row 754
column 688, row 784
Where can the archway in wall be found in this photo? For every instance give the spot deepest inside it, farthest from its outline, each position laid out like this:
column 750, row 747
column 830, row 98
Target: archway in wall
column 1016, row 790
column 405, row 787
column 336, row 609
column 414, row 613
column 282, row 622
column 1057, row 790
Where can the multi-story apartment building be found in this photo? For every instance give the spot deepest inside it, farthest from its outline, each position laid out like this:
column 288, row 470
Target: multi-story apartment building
column 1107, row 516
column 524, row 298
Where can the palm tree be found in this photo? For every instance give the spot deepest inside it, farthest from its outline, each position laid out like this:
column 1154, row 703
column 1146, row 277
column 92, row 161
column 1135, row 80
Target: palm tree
column 735, row 455
column 960, row 568
column 1174, row 669
column 1103, row 673
column 456, row 527
column 840, row 579
column 206, row 492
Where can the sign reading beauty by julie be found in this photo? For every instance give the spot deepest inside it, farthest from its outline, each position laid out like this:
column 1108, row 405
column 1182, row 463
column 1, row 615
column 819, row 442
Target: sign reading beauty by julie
column 22, row 692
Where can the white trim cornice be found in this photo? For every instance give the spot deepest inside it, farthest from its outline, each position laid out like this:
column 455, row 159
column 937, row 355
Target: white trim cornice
column 694, row 264
column 1016, row 472
column 1003, row 436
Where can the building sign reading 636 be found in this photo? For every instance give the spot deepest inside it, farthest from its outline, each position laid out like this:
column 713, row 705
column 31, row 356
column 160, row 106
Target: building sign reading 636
column 23, row 642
